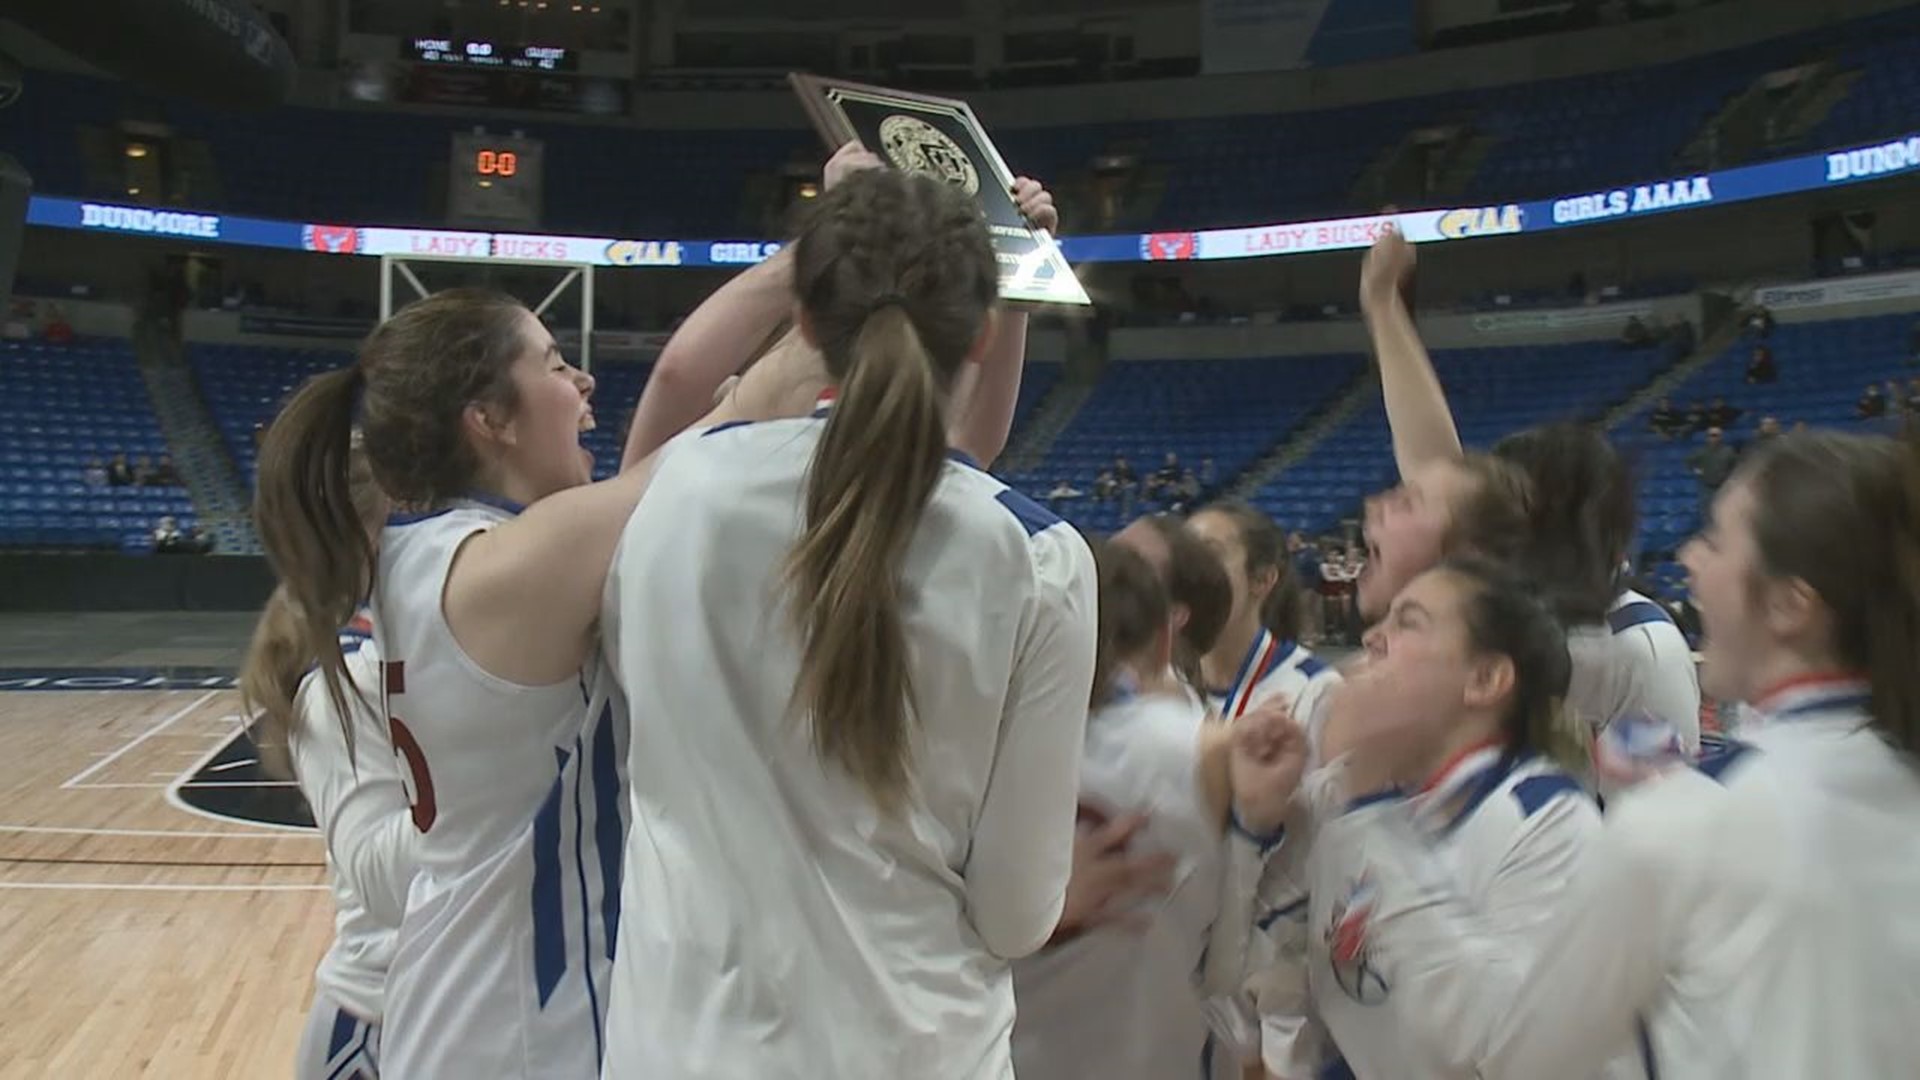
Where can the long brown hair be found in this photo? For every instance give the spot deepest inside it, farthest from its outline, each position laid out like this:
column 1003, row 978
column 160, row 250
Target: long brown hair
column 1582, row 516
column 1842, row 513
column 1506, row 616
column 895, row 277
column 1196, row 581
column 1492, row 519
column 278, row 657
column 1134, row 611
column 416, row 375
column 1283, row 612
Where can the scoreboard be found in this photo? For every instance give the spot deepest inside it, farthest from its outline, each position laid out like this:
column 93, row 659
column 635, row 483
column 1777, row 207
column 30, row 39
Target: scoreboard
column 495, row 180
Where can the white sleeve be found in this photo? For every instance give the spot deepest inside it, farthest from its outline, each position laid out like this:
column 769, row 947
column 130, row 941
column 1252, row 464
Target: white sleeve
column 1671, row 686
column 1016, row 874
column 1546, row 979
column 1293, row 1045
column 359, row 804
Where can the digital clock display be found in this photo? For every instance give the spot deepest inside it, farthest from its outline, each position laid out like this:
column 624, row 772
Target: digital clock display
column 495, row 179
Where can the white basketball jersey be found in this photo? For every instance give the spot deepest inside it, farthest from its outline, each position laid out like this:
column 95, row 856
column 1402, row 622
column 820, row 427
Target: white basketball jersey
column 1274, row 668
column 360, row 808
column 1277, row 668
column 1753, row 918
column 1507, row 837
column 1119, row 1002
column 1638, row 664
column 787, row 928
column 504, row 952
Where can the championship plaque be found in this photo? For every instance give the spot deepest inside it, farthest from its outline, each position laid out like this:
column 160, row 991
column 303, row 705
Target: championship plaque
column 940, row 137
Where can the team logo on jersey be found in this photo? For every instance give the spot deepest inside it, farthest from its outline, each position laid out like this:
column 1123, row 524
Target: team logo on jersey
column 1348, row 951
column 917, row 146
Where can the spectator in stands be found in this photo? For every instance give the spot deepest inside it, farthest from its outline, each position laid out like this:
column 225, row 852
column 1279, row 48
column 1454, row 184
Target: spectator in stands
column 163, row 474
column 1063, row 492
column 1697, row 418
column 1762, row 369
column 1896, row 397
column 119, row 473
column 1159, row 483
column 193, row 541
column 1712, row 464
column 1206, row 474
column 1768, row 431
column 57, row 331
column 143, row 470
column 1872, row 404
column 1722, row 415
column 1105, row 487
column 95, row 474
column 1759, row 322
column 1123, row 473
column 1186, row 492
column 166, row 535
column 1635, row 334
column 1665, row 420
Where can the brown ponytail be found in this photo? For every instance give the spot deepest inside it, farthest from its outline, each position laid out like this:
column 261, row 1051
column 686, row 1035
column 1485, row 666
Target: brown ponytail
column 895, row 276
column 285, row 642
column 276, row 661
column 313, row 536
column 1283, row 612
column 1842, row 514
column 1134, row 610
column 1198, row 582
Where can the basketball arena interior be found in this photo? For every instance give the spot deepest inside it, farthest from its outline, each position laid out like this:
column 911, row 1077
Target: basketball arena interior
column 1693, row 224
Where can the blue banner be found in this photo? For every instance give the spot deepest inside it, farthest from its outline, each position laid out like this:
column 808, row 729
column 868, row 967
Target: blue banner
column 1810, row 172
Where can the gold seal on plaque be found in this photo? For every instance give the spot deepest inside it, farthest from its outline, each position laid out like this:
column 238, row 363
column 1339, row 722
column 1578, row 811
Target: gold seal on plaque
column 913, row 145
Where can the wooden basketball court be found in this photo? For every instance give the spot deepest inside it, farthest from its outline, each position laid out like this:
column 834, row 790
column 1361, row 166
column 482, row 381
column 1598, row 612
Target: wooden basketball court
column 140, row 936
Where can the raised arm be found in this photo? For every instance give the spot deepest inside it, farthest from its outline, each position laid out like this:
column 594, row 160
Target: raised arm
column 983, row 416
column 726, row 331
column 523, row 597
column 1016, row 875
column 1417, row 410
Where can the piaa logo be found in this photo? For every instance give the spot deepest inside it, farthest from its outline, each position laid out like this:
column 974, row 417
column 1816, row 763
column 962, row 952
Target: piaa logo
column 1481, row 221
column 644, row 253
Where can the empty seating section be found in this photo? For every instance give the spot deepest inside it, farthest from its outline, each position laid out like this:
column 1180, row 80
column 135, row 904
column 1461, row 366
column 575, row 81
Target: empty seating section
column 1823, row 368
column 244, row 385
column 1557, row 136
column 1232, row 411
column 1493, row 391
column 63, row 408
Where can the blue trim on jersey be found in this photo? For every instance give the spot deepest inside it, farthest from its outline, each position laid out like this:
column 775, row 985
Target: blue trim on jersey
column 1363, row 801
column 344, row 1026
column 727, row 426
column 395, row 521
column 586, row 913
column 959, row 456
column 1337, row 1069
column 1246, row 664
column 498, row 502
column 358, row 1060
column 1032, row 516
column 1535, row 792
column 1638, row 613
column 549, row 921
column 1279, row 913
column 607, row 838
column 1486, row 784
column 1715, row 767
column 1836, row 703
column 1311, row 665
column 1645, row 1036
column 1264, row 841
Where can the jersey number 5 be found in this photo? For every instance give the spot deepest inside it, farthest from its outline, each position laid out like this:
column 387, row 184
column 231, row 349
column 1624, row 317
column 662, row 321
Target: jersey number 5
column 418, row 781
